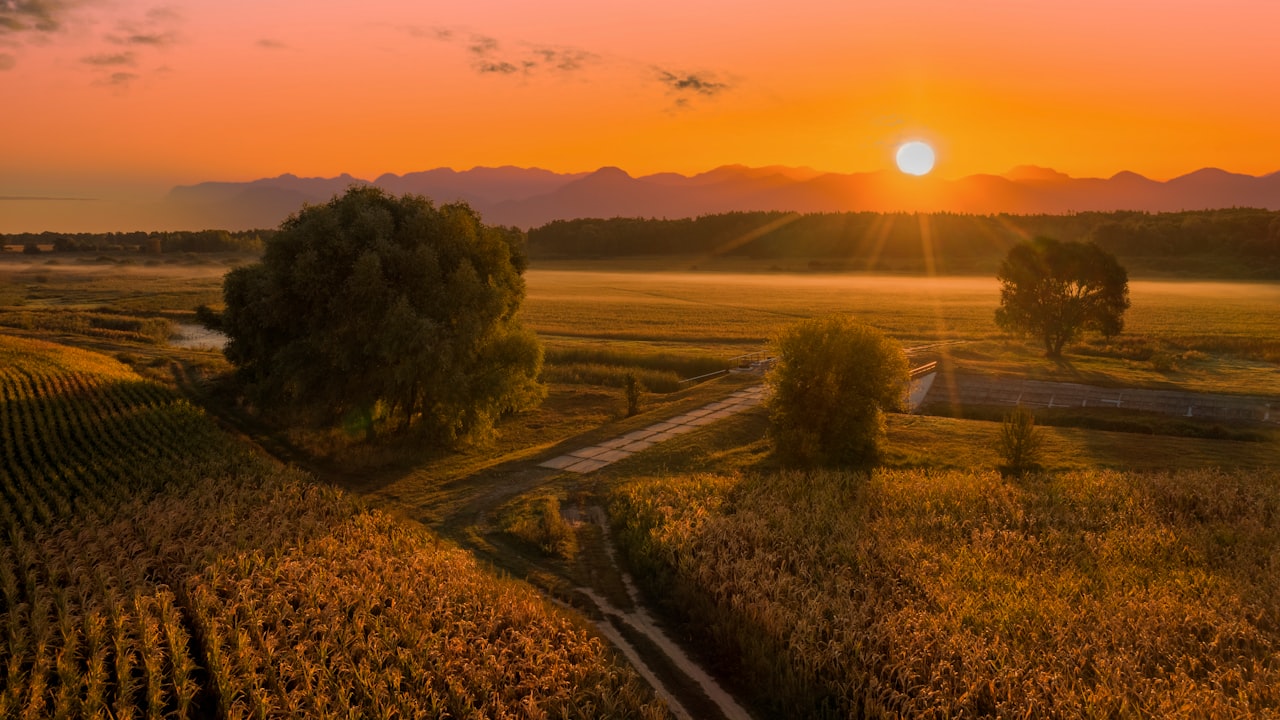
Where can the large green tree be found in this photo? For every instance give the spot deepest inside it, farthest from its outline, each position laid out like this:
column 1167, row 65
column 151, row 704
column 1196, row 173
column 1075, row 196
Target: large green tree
column 376, row 307
column 832, row 382
column 1056, row 290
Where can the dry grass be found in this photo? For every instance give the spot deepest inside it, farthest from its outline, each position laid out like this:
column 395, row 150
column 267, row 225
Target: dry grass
column 961, row 594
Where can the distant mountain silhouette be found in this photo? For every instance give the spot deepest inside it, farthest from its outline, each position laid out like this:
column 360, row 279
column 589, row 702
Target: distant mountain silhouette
column 532, row 196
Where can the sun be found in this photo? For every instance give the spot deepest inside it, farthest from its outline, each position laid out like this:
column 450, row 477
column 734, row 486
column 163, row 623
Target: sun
column 915, row 158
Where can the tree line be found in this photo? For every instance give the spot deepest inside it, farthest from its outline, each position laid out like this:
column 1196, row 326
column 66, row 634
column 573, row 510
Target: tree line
column 902, row 241
column 197, row 241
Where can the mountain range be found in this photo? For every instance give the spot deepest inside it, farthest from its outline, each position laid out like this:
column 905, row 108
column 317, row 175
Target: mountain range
column 528, row 197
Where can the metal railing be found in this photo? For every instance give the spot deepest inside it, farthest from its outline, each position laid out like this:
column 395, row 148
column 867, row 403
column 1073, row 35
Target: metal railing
column 700, row 378
column 924, row 369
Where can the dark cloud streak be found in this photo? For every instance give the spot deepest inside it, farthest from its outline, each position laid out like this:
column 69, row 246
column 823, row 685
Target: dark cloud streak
column 685, row 83
column 157, row 39
column 106, row 60
column 44, row 16
column 501, row 68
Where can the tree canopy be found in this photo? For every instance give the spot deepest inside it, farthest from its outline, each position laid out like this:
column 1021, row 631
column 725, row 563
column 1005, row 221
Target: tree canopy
column 833, row 381
column 1055, row 290
column 378, row 307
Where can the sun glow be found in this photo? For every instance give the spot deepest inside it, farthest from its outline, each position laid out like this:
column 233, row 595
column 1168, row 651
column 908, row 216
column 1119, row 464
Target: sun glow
column 915, row 158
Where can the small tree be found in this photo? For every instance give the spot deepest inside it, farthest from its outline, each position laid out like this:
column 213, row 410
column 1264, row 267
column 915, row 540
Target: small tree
column 1056, row 290
column 1020, row 444
column 833, row 380
column 378, row 306
column 633, row 395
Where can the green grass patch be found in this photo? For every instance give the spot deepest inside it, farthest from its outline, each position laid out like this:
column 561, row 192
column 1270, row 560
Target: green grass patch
column 107, row 325
column 614, row 376
column 681, row 364
column 536, row 520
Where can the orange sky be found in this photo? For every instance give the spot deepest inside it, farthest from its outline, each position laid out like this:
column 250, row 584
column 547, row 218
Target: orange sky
column 118, row 99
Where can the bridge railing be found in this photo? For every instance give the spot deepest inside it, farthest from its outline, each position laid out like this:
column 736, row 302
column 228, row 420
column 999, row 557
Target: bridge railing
column 924, row 369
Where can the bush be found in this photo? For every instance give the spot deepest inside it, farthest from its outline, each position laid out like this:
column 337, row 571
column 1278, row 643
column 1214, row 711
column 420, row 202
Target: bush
column 633, row 395
column 833, row 380
column 1021, row 445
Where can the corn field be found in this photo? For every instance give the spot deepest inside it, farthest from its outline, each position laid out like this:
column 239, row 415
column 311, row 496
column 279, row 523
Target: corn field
column 153, row 568
column 953, row 594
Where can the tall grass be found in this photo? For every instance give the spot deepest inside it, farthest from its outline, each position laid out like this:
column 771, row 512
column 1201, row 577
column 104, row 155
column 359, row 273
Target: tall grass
column 959, row 594
column 152, row 330
column 657, row 381
column 682, row 364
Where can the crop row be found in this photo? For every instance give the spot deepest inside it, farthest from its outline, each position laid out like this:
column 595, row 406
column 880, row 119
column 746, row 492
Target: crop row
column 962, row 594
column 152, row 567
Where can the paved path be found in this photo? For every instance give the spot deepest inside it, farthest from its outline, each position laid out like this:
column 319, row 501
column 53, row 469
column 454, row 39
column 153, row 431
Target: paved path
column 590, row 459
column 965, row 389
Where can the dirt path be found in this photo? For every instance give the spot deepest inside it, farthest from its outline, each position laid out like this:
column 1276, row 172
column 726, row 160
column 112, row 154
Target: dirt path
column 688, row 690
column 640, row 621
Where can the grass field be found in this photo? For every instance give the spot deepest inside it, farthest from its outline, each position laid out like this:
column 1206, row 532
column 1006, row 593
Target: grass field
column 599, row 324
column 1212, row 337
column 153, row 567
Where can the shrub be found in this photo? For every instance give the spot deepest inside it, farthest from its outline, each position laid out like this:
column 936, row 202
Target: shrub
column 1021, row 445
column 833, row 380
column 633, row 395
column 538, row 522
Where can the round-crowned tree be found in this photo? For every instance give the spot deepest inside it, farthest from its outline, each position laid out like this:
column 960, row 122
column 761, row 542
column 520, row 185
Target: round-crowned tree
column 832, row 383
column 379, row 308
column 1055, row 290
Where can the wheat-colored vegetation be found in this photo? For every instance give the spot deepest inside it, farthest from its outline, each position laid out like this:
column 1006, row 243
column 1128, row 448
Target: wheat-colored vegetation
column 1199, row 336
column 154, row 568
column 963, row 594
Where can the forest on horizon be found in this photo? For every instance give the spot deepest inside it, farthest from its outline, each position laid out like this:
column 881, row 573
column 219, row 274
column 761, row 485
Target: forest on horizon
column 1233, row 242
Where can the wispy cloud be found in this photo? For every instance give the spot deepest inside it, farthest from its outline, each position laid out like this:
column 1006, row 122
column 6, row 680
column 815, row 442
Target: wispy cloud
column 157, row 28
column 502, row 68
column 135, row 35
column 565, row 59
column 691, row 83
column 490, row 56
column 483, row 45
column 121, row 79
column 31, row 21
column 44, row 16
column 430, row 33
column 270, row 44
column 109, row 60
column 686, row 86
column 143, row 36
